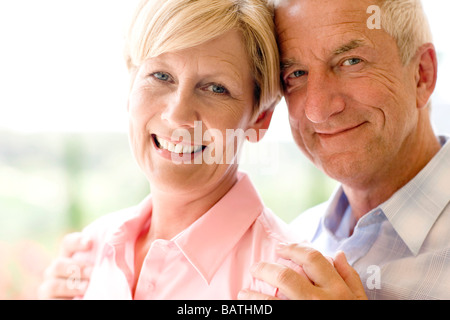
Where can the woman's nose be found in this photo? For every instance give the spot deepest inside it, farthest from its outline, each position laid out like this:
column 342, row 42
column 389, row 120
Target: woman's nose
column 323, row 99
column 180, row 110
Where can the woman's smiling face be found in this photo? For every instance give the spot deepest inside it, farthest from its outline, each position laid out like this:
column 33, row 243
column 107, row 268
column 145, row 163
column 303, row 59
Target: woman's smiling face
column 210, row 88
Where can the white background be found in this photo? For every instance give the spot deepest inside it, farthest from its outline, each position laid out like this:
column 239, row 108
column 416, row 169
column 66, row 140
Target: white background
column 61, row 66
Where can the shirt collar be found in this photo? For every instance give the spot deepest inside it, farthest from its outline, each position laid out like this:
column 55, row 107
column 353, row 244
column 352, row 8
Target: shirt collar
column 206, row 242
column 413, row 209
column 330, row 218
column 335, row 211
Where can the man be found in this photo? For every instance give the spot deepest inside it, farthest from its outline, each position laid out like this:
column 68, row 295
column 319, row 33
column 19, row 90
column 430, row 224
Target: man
column 358, row 98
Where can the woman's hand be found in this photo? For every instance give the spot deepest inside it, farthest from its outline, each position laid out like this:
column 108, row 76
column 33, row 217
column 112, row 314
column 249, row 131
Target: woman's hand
column 67, row 277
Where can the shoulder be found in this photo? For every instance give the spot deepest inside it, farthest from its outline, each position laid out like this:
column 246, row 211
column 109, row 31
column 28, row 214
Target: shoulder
column 300, row 229
column 109, row 222
column 272, row 227
column 103, row 229
column 305, row 225
column 271, row 230
column 99, row 231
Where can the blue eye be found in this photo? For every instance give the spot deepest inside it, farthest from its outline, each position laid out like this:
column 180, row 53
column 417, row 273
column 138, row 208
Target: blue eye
column 217, row 89
column 161, row 76
column 297, row 74
column 351, row 62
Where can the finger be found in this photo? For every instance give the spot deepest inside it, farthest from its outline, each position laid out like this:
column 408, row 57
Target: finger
column 349, row 275
column 61, row 289
column 290, row 283
column 67, row 267
column 317, row 267
column 74, row 242
column 253, row 295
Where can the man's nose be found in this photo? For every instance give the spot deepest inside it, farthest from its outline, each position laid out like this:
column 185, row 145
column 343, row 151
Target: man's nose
column 180, row 110
column 323, row 98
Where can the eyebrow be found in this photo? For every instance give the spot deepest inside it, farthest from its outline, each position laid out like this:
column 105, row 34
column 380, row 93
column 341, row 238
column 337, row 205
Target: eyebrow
column 348, row 47
column 289, row 62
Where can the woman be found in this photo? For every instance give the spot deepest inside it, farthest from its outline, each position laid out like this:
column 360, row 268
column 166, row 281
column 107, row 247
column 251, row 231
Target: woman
column 199, row 70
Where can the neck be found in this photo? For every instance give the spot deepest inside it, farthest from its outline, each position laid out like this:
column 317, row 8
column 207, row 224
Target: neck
column 410, row 161
column 174, row 212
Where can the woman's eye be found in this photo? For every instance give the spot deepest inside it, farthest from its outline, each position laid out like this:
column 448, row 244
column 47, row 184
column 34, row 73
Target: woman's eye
column 217, row 89
column 297, row 74
column 351, row 62
column 161, row 76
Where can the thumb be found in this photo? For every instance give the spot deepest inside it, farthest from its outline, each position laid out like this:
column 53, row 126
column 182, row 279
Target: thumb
column 73, row 243
column 349, row 275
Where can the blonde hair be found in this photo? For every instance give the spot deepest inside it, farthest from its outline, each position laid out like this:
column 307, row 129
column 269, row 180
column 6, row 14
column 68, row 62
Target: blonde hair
column 161, row 26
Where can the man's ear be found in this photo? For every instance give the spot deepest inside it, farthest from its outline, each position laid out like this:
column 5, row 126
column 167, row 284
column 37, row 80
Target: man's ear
column 262, row 123
column 426, row 74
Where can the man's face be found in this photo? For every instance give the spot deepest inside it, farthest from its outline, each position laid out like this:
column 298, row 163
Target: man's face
column 352, row 103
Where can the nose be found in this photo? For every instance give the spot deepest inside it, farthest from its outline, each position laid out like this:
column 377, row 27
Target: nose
column 180, row 110
column 322, row 98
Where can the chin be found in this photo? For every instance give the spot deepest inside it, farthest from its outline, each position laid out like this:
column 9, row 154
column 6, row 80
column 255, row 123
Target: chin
column 177, row 179
column 344, row 167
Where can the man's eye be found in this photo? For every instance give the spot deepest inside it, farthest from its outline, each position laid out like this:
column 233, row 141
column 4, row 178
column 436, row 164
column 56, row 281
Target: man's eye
column 351, row 62
column 161, row 76
column 297, row 74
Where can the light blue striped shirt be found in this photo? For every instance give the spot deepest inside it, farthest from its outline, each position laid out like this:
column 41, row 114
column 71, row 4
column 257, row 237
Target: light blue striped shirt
column 401, row 249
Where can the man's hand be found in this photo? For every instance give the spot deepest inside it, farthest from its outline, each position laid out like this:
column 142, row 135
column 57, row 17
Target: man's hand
column 67, row 277
column 326, row 282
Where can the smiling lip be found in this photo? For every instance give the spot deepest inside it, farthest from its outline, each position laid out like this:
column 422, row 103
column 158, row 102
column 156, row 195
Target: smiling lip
column 329, row 134
column 182, row 150
column 176, row 147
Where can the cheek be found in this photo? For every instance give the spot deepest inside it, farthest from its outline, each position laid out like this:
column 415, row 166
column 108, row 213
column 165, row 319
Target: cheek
column 393, row 104
column 230, row 115
column 139, row 115
column 229, row 125
column 140, row 109
column 140, row 142
column 300, row 125
column 294, row 102
column 382, row 87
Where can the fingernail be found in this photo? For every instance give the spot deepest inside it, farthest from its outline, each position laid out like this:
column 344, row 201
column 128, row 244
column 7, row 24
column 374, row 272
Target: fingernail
column 281, row 246
column 242, row 295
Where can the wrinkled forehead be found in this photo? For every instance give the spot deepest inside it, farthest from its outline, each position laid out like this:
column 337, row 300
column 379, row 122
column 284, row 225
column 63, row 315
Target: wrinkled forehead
column 352, row 14
column 302, row 23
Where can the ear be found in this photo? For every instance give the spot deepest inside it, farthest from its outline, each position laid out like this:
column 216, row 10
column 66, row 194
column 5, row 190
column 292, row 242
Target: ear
column 426, row 74
column 261, row 124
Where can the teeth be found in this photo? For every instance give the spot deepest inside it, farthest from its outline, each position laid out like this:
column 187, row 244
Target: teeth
column 177, row 148
column 197, row 149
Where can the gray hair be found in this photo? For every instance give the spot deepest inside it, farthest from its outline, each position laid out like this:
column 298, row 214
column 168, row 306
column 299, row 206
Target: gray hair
column 404, row 20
